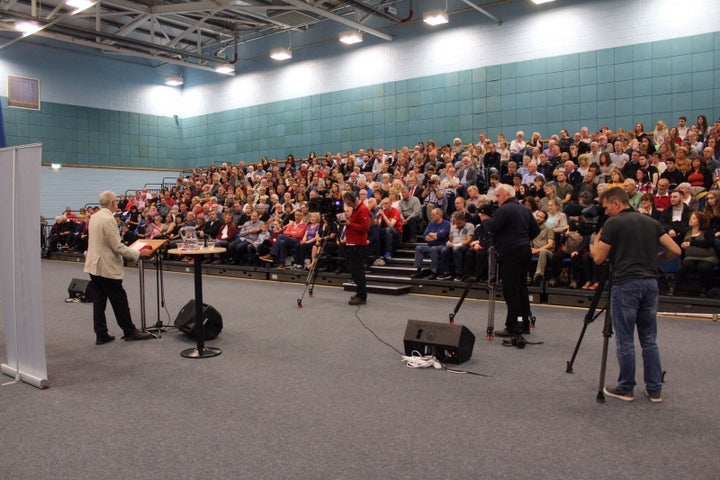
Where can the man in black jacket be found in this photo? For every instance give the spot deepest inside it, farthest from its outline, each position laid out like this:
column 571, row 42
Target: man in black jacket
column 513, row 226
column 674, row 219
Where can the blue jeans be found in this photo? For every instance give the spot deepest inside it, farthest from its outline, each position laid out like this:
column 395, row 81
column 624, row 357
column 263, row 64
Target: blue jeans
column 425, row 251
column 632, row 304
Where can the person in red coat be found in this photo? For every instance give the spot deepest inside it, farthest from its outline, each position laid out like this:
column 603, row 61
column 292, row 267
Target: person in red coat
column 357, row 226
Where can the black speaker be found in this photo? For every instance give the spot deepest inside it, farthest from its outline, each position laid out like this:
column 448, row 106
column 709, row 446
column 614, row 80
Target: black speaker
column 448, row 343
column 84, row 290
column 212, row 320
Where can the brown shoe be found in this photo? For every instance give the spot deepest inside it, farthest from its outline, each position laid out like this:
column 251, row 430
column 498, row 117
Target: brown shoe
column 280, row 266
column 267, row 258
column 355, row 300
column 216, row 262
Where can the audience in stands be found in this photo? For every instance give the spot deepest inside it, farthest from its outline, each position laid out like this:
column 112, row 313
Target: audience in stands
column 267, row 208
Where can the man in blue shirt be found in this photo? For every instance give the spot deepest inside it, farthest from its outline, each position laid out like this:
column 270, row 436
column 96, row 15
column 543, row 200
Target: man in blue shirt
column 436, row 235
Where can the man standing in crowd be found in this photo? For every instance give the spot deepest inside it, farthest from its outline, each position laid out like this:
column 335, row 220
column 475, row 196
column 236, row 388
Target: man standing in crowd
column 513, row 226
column 631, row 241
column 411, row 212
column 356, row 240
column 104, row 263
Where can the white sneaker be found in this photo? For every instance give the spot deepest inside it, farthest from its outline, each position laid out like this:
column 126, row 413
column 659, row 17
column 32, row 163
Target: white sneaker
column 379, row 262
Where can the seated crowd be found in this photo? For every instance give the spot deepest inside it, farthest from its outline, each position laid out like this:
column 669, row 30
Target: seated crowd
column 272, row 211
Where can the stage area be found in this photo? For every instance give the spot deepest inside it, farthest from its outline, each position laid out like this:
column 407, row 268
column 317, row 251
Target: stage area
column 311, row 393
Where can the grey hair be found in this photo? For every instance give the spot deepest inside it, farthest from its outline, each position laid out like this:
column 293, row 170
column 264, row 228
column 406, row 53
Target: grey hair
column 106, row 198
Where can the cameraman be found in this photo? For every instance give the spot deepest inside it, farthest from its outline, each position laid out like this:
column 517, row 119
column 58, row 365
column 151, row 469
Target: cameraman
column 433, row 196
column 356, row 240
column 513, row 226
column 631, row 242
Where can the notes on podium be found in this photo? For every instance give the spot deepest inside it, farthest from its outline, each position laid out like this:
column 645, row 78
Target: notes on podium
column 151, row 245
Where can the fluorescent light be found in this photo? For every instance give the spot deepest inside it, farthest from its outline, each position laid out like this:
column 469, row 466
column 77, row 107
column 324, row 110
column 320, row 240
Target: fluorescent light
column 350, row 37
column 225, row 69
column 56, row 166
column 435, row 17
column 280, row 54
column 540, row 2
column 27, row 27
column 174, row 81
column 79, row 5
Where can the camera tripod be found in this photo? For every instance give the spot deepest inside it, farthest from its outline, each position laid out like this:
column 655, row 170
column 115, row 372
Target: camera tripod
column 493, row 272
column 311, row 277
column 607, row 331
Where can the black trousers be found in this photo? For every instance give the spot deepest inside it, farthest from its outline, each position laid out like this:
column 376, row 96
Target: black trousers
column 109, row 288
column 514, row 264
column 355, row 256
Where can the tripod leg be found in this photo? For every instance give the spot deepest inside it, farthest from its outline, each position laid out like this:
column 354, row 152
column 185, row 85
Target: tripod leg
column 590, row 316
column 571, row 362
column 493, row 273
column 607, row 333
column 460, row 302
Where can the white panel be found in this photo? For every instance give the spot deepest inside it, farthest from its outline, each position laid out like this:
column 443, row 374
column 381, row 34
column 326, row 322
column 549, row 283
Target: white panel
column 20, row 265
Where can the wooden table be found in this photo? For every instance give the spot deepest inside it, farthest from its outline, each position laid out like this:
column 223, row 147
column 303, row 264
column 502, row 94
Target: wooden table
column 201, row 351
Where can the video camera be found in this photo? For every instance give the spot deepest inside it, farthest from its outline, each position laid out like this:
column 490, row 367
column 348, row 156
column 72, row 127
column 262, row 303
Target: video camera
column 327, row 206
column 591, row 220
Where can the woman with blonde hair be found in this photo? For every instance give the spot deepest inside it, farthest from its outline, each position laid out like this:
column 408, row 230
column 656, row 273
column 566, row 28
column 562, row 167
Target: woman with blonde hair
column 659, row 133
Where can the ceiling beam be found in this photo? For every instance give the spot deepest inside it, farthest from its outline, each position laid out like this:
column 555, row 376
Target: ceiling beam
column 337, row 18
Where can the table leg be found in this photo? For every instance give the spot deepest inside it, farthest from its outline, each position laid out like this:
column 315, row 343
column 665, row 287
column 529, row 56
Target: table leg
column 201, row 351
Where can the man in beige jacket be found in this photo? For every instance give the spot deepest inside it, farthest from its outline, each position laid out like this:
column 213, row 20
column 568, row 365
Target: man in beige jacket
column 104, row 263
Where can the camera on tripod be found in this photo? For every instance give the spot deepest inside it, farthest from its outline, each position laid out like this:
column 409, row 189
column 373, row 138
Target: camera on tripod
column 328, row 207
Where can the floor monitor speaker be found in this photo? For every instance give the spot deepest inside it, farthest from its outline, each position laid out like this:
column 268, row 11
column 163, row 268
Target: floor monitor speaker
column 448, row 343
column 82, row 289
column 212, row 320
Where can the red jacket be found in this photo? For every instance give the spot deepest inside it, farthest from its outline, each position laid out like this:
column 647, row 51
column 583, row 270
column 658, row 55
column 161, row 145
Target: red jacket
column 356, row 231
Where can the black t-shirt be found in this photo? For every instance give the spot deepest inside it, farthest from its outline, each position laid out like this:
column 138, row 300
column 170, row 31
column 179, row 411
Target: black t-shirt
column 634, row 239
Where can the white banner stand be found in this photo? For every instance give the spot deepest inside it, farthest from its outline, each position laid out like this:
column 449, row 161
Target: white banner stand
column 20, row 265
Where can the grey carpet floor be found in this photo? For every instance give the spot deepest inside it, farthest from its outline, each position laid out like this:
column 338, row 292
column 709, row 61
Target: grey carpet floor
column 310, row 393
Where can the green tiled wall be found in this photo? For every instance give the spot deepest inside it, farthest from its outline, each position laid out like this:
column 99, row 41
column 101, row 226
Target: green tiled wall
column 615, row 86
column 88, row 136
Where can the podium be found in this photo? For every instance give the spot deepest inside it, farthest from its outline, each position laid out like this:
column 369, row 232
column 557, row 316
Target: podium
column 201, row 351
column 153, row 246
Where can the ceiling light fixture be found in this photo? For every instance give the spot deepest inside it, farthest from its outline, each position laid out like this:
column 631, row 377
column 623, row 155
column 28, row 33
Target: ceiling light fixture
column 435, row 17
column 540, row 2
column 79, row 5
column 351, row 37
column 174, row 81
column 280, row 54
column 27, row 27
column 225, row 69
